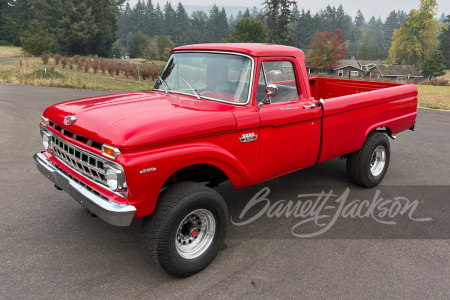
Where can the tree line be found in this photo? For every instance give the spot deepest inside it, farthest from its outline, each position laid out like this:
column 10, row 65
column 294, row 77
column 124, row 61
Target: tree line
column 68, row 27
column 284, row 22
column 111, row 27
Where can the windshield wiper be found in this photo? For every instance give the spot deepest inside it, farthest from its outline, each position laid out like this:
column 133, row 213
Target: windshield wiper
column 194, row 90
column 166, row 86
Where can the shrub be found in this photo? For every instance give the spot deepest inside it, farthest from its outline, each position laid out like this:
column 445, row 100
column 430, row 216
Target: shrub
column 118, row 69
column 35, row 39
column 57, row 58
column 64, row 62
column 87, row 66
column 81, row 63
column 111, row 68
column 127, row 70
column 436, row 81
column 95, row 65
column 45, row 58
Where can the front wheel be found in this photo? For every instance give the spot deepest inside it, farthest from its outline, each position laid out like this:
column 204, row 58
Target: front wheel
column 367, row 166
column 187, row 228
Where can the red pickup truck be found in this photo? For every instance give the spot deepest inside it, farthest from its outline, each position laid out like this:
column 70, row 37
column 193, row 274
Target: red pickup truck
column 240, row 112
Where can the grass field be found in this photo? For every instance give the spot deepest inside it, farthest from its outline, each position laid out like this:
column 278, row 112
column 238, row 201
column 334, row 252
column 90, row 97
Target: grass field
column 436, row 97
column 12, row 52
column 13, row 72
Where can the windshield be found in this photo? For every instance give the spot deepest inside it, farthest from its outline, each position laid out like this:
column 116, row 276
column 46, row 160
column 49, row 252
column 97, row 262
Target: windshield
column 215, row 76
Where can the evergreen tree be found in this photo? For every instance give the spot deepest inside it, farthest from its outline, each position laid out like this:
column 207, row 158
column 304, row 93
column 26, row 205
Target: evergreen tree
column 123, row 24
column 434, row 65
column 149, row 19
column 35, row 39
column 224, row 28
column 183, row 28
column 138, row 45
column 364, row 52
column 359, row 19
column 279, row 16
column 247, row 13
column 169, row 17
column 199, row 26
column 248, row 30
column 344, row 21
column 444, row 42
column 305, row 29
column 218, row 28
column 158, row 25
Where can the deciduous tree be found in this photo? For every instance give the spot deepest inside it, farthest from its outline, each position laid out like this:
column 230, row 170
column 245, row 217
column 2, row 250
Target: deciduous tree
column 326, row 50
column 417, row 37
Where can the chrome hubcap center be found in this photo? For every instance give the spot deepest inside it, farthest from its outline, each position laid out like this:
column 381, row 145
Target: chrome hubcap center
column 195, row 233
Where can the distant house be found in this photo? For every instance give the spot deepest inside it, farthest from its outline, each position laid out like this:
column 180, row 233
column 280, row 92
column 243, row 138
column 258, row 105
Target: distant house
column 396, row 72
column 348, row 68
column 369, row 67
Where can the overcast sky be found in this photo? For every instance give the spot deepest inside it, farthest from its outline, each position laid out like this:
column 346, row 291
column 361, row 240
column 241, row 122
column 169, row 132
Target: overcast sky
column 369, row 8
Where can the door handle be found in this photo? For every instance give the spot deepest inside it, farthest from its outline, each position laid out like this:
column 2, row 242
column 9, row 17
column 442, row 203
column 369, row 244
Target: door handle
column 309, row 106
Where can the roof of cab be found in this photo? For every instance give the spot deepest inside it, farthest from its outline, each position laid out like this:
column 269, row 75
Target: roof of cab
column 253, row 49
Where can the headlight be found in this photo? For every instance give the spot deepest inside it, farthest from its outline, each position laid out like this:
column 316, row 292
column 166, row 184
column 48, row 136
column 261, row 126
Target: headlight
column 46, row 140
column 111, row 178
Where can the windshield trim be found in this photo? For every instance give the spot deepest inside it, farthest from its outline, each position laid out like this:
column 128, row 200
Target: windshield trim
column 218, row 52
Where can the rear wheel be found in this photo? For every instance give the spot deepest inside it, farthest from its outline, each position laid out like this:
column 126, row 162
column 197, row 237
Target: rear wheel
column 367, row 166
column 187, row 228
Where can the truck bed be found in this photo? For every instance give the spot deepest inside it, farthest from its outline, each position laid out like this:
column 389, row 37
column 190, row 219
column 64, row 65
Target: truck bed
column 326, row 88
column 354, row 108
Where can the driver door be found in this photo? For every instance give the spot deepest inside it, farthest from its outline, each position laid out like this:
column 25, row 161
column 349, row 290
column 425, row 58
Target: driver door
column 290, row 127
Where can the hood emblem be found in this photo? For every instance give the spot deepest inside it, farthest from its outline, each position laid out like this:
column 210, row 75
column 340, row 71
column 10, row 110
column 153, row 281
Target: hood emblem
column 248, row 137
column 69, row 120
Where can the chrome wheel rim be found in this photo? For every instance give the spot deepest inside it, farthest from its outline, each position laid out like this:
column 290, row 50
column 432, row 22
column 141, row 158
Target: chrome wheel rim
column 378, row 161
column 195, row 233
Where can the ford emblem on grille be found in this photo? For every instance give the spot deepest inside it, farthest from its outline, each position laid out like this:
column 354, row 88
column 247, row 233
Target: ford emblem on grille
column 69, row 120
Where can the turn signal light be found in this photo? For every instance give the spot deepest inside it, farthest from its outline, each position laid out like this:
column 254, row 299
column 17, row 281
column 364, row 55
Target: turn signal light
column 110, row 151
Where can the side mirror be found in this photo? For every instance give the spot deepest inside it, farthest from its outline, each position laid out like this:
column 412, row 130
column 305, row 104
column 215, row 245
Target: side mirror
column 271, row 91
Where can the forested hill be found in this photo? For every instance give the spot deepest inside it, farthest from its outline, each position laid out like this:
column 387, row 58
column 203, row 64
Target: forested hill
column 368, row 37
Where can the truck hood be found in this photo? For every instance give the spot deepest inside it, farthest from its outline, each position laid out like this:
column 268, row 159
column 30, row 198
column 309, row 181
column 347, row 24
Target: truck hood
column 138, row 119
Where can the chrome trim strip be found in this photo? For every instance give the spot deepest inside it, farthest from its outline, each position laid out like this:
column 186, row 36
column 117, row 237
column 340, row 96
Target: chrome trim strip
column 218, row 52
column 106, row 209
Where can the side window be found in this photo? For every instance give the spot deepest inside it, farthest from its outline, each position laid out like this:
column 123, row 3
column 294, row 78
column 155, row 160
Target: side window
column 282, row 74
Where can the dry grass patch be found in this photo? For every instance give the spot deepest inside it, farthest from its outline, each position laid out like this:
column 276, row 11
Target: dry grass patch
column 436, row 97
column 31, row 73
column 12, row 52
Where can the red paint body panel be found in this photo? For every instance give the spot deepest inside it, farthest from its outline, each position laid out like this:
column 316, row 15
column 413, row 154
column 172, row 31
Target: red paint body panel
column 169, row 132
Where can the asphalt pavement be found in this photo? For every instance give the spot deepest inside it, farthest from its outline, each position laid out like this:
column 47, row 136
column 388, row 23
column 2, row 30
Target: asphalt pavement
column 51, row 248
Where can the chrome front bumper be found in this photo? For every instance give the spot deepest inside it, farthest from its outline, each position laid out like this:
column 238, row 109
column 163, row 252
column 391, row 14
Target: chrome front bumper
column 109, row 211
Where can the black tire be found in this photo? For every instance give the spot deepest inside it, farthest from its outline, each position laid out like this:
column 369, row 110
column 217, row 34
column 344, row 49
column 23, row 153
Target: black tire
column 160, row 231
column 359, row 163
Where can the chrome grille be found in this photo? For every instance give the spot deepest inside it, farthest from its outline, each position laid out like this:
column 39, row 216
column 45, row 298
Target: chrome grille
column 80, row 160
